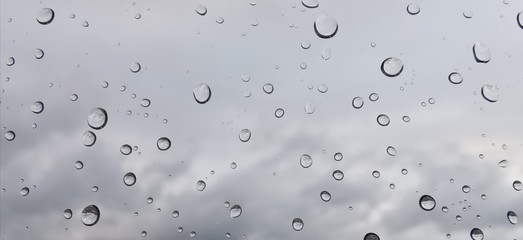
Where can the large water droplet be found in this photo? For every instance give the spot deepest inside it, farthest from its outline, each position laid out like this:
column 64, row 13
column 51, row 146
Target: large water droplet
column 325, row 196
column 481, row 52
column 392, row 67
column 90, row 215
column 97, row 118
column 413, row 9
column 135, row 67
column 37, row 107
column 24, row 191
column 427, row 203
column 89, row 138
column 236, row 211
column 309, row 107
column 476, row 234
column 202, row 93
column 455, row 78
column 517, row 185
column 357, row 102
column 129, row 179
column 465, row 188
column 244, row 135
column 310, row 3
column 39, row 53
column 45, row 16
column 9, row 135
column 268, row 88
column 200, row 185
column 383, row 120
column 200, row 9
column 305, row 161
column 490, row 93
column 297, row 224
column 371, row 236
column 68, row 214
column 512, row 217
column 163, row 143
column 126, row 149
column 325, row 26
column 338, row 175
column 391, row 151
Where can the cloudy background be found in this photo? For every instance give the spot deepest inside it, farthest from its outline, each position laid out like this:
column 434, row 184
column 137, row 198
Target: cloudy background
column 178, row 49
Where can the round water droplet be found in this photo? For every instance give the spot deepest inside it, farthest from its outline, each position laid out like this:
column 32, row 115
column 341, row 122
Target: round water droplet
column 427, row 203
column 246, row 78
column 279, row 113
column 226, row 204
column 268, row 88
column 129, row 179
column 404, row 171
column 244, row 135
column 309, row 107
column 383, row 120
column 175, row 214
column 85, row 24
column 104, row 84
column 413, row 9
column 458, row 218
column 325, row 196
column 45, row 16
column 392, row 67
column 490, row 93
column 481, row 52
column 78, row 165
column 305, row 161
column 468, row 14
column 24, row 191
column 303, row 66
column 483, row 196
column 305, row 45
column 145, row 102
column 135, row 67
column 233, row 165
column 90, row 215
column 200, row 185
column 163, row 143
column 445, row 209
column 374, row 97
column 297, row 224
column 476, row 234
column 465, row 189
column 357, row 102
column 371, row 236
column 144, row 233
column 126, row 149
column 97, row 118
column 37, row 107
column 180, row 229
column 431, row 101
column 201, row 10
column 325, row 26
column 94, row 189
column 512, row 217
column 338, row 156
column 323, row 88
column 455, row 78
column 9, row 135
column 89, row 138
column 227, row 235
column 448, row 236
column 310, row 3
column 149, row 200
column 236, row 211
column 202, row 93
column 68, row 214
column 338, row 175
column 517, row 185
column 73, row 97
column 192, row 234
column 376, row 174
column 219, row 20
column 326, row 53
column 39, row 53
column 391, row 151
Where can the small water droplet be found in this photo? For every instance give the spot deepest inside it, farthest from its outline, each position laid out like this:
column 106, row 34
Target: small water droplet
column 512, row 217
column 326, row 53
column 391, row 151
column 309, row 107
column 37, row 107
column 126, row 149
column 325, row 26
column 476, row 234
column 219, row 20
column 323, row 88
column 85, row 24
column 226, row 204
column 104, row 84
column 78, row 165
column 374, row 97
column 481, row 52
column 268, row 88
column 233, row 165
column 144, row 233
column 244, row 135
column 383, row 120
column 192, row 234
column 202, row 93
column 406, row 118
column 458, row 218
column 94, row 188
column 376, row 174
column 68, row 214
column 490, row 93
column 392, row 186
column 431, row 101
column 503, row 163
column 279, row 113
column 483, row 196
column 325, row 196
column 73, row 97
column 9, row 135
column 39, row 53
column 200, row 185
column 10, row 61
column 88, row 138
column 236, row 211
column 129, row 179
column 357, row 102
column 90, row 215
column 520, row 19
column 175, row 214
column 227, row 235
column 413, row 9
column 135, row 67
column 392, row 67
column 305, row 45
column 310, row 3
column 427, row 203
column 180, row 229
column 468, row 14
column 448, row 236
column 337, row 175
column 371, row 236
column 303, row 66
column 465, row 189
column 445, row 209
column 145, row 102
column 338, row 156
column 45, row 16
column 517, row 185
column 297, row 224
column 149, row 200
column 404, row 171
column 306, row 160
column 24, row 191
column 201, row 10
column 455, row 78
column 163, row 143
column 97, row 118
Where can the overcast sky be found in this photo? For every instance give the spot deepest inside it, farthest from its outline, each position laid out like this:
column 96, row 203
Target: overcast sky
column 178, row 49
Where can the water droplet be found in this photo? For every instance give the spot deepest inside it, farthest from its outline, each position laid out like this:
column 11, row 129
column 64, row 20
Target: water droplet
column 297, row 224
column 129, row 179
column 279, row 113
column 326, row 53
column 392, row 67
column 455, row 78
column 104, row 84
column 244, row 135
column 90, row 215
column 236, row 211
column 371, row 236
column 338, row 156
column 246, row 78
column 520, row 19
column 512, row 217
column 233, row 165
column 226, row 204
column 325, row 196
column 445, row 209
column 85, row 24
column 145, row 102
column 310, row 3
column 490, row 93
column 517, row 185
column 451, row 180
column 201, row 10
column 406, row 118
column 68, row 214
column 10, row 61
column 483, row 196
column 503, row 163
column 323, row 88
column 24, row 191
column 309, row 107
column 149, row 200
column 338, row 175
column 413, row 9
column 89, row 138
column 481, row 52
column 383, row 120
column 39, row 53
column 303, row 66
column 357, row 102
column 227, row 235
column 391, row 151
column 465, row 189
column 97, row 118
column 427, row 203
column 305, row 45
column 180, row 229
column 374, row 97
column 448, row 236
column 431, row 101
column 404, row 171
column 192, row 234
column 94, row 188
column 476, row 234
column 175, row 214
column 376, row 174
column 73, row 97
column 144, row 233
column 268, row 88
column 200, row 185
column 163, row 143
column 325, row 26
column 468, row 14
column 9, row 135
column 135, row 67
column 305, row 161
column 458, row 218
column 219, row 20
column 78, row 165
column 45, row 16
column 137, row 16
column 126, row 149
column 392, row 186
column 202, row 93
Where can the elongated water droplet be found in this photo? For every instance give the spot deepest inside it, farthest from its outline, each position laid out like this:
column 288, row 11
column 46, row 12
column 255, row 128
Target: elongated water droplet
column 297, row 224
column 490, row 93
column 476, row 234
column 357, row 102
column 39, row 53
column 268, row 88
column 89, row 138
column 235, row 211
column 200, row 185
column 325, row 196
column 305, row 161
column 45, row 16
column 135, row 67
column 202, row 93
column 392, row 67
column 512, row 217
column 163, row 143
column 90, row 215
column 244, row 135
column 97, row 118
column 455, row 78
column 371, row 236
column 383, row 120
column 427, row 203
column 338, row 175
column 413, row 9
column 517, row 185
column 481, row 52
column 309, row 107
column 503, row 163
column 310, row 3
column 325, row 26
column 201, row 10
column 129, row 179
column 24, row 191
column 68, row 214
column 338, row 156
column 391, row 151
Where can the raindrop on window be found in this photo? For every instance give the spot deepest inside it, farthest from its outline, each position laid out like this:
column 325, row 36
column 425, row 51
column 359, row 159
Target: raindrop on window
column 476, row 234
column 455, row 78
column 233, row 165
column 88, row 139
column 371, row 236
column 235, row 211
column 94, row 188
column 503, row 163
column 481, row 52
column 202, row 93
column 490, row 93
column 149, row 200
column 404, row 171
column 201, row 10
column 357, row 102
column 391, row 151
column 45, row 16
column 226, row 204
column 338, row 156
column 135, row 67
column 305, row 161
column 325, row 26
column 305, row 45
column 512, row 217
column 68, row 214
column 468, row 14
column 374, row 97
column 73, row 97
column 219, row 20
column 323, row 88
column 383, row 120
column 129, row 179
column 145, row 102
column 309, row 107
column 337, row 175
column 376, row 174
column 326, row 53
column 97, row 118
column 10, row 61
column 325, row 196
column 24, row 191
column 200, row 185
column 163, row 143
column 144, row 233
column 413, row 9
column 268, row 88
column 392, row 67
column 175, row 214
column 244, row 135
column 39, row 53
column 517, row 185
column 465, row 189
column 126, row 149
column 427, row 203
column 78, row 165
column 90, row 215
column 279, row 113
column 310, row 3
column 297, row 224
column 445, row 209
